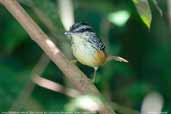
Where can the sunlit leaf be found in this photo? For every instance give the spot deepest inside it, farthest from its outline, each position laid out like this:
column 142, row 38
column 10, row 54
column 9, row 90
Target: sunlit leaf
column 144, row 11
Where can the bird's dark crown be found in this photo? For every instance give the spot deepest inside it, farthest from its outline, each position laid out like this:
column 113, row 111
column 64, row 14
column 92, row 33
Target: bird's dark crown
column 80, row 28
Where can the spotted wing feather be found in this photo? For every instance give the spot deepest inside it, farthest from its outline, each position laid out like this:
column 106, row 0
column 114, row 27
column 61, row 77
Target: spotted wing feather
column 96, row 42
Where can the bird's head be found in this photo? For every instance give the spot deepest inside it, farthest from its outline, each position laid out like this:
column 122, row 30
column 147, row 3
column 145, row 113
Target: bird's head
column 80, row 30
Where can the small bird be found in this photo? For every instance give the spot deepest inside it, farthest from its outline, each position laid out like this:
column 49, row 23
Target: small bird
column 87, row 48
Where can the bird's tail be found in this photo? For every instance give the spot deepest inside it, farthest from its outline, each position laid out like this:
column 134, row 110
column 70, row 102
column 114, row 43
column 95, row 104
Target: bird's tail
column 116, row 58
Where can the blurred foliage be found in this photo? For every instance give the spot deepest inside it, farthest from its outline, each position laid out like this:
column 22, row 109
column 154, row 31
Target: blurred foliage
column 144, row 11
column 148, row 53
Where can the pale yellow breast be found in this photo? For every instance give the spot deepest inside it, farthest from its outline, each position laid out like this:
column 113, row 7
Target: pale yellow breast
column 86, row 54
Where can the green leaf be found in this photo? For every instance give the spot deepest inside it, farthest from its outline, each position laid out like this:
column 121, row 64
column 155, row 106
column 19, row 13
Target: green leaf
column 144, row 11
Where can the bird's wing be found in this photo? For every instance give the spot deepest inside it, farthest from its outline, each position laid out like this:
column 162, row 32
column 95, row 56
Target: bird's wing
column 96, row 42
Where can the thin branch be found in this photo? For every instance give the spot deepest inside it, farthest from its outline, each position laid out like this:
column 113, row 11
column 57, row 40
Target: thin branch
column 45, row 83
column 169, row 12
column 72, row 73
column 57, row 36
column 56, row 87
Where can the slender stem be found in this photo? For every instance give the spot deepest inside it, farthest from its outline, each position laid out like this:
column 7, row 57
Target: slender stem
column 169, row 12
column 56, row 87
column 72, row 73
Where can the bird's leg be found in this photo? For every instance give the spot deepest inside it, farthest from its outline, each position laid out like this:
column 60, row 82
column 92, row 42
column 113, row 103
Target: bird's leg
column 94, row 74
column 73, row 61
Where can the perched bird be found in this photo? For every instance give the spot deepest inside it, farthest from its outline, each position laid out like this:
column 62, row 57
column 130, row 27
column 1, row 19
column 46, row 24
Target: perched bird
column 87, row 48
